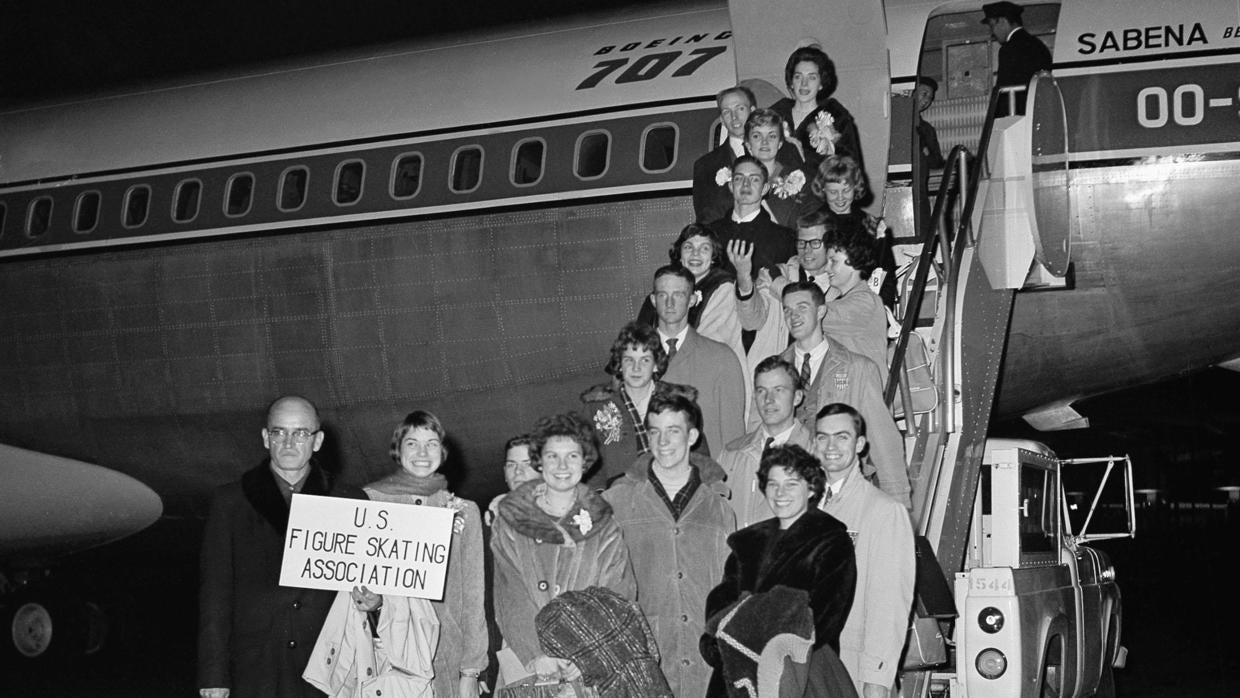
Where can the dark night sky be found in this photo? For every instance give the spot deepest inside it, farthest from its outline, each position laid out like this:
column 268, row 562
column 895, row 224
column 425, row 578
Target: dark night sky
column 54, row 48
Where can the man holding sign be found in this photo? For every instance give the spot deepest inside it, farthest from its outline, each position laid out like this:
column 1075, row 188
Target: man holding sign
column 254, row 636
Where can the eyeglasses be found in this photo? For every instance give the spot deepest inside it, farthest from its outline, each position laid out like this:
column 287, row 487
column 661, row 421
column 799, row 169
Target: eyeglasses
column 812, row 244
column 298, row 436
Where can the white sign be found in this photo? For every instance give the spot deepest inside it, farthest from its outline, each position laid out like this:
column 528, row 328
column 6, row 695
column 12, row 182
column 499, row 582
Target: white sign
column 398, row 549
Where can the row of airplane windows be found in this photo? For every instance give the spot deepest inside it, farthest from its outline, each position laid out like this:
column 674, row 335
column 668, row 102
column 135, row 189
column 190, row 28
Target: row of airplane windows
column 592, row 155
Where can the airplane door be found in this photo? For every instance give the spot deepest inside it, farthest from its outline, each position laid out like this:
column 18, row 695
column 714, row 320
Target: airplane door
column 854, row 35
column 1050, row 176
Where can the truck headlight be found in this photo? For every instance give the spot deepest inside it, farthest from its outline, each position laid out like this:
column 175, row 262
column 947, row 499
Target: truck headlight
column 990, row 620
column 991, row 663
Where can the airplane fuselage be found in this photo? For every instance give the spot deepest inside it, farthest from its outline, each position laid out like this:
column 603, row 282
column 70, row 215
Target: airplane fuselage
column 389, row 232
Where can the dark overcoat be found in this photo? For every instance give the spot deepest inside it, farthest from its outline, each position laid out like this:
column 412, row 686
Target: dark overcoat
column 255, row 636
column 1020, row 57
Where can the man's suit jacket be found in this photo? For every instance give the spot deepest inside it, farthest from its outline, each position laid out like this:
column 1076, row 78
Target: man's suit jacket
column 714, row 370
column 773, row 244
column 874, row 634
column 1022, row 55
column 740, row 462
column 711, row 200
column 255, row 636
column 854, row 380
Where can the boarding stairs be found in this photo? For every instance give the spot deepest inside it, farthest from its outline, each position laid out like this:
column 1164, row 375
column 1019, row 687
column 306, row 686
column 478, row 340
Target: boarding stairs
column 978, row 246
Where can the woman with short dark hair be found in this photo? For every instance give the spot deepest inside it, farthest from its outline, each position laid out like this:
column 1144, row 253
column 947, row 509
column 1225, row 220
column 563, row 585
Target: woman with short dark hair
column 699, row 250
column 419, row 449
column 814, row 118
column 553, row 535
column 801, row 548
column 617, row 409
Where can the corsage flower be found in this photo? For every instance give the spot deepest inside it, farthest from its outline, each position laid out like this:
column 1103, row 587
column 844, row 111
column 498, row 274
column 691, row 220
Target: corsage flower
column 791, row 185
column 723, row 176
column 583, row 522
column 824, row 135
column 607, row 423
column 457, row 505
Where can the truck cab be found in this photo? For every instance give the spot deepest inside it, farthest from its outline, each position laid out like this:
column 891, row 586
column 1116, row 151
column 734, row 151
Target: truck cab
column 1040, row 611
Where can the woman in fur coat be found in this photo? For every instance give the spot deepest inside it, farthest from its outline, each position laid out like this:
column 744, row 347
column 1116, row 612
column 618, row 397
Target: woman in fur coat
column 801, row 548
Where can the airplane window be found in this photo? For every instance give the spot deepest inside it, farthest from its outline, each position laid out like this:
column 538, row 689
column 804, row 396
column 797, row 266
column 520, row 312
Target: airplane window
column 466, row 169
column 86, row 213
column 137, row 204
column 293, row 189
column 39, row 218
column 349, row 176
column 659, row 148
column 240, row 195
column 527, row 161
column 407, row 176
column 185, row 201
column 592, row 153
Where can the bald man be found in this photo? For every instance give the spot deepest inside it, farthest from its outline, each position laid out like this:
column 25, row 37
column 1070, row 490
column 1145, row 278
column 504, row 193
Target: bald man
column 255, row 636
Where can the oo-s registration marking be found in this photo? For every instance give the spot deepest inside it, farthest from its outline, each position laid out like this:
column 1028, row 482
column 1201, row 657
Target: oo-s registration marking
column 1184, row 106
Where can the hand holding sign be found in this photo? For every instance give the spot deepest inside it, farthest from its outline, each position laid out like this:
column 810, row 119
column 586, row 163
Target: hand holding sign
column 365, row 599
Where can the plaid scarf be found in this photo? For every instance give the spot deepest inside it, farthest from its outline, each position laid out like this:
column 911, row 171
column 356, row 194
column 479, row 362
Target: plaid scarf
column 639, row 421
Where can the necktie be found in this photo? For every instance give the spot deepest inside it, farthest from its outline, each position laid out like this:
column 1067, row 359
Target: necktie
column 671, row 348
column 805, row 371
column 770, row 441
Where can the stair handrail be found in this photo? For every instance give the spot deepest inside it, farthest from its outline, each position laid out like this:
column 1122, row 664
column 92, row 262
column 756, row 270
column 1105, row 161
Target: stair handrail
column 933, row 238
column 938, row 236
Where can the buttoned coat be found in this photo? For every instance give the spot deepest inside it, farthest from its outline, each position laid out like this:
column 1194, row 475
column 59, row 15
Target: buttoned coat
column 255, row 636
column 873, row 636
column 676, row 562
column 714, row 370
column 538, row 557
column 740, row 462
column 854, row 380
